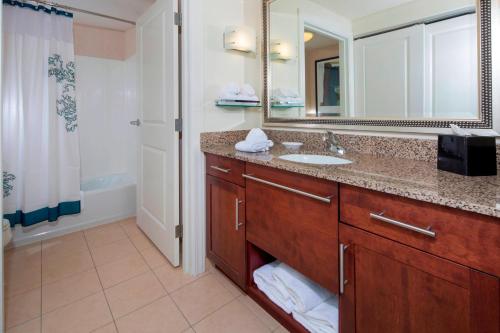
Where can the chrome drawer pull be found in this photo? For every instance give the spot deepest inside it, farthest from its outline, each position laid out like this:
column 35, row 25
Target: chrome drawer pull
column 289, row 189
column 220, row 169
column 237, row 219
column 381, row 217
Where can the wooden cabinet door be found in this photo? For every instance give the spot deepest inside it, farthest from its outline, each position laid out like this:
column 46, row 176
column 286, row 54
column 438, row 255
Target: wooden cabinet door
column 390, row 287
column 226, row 228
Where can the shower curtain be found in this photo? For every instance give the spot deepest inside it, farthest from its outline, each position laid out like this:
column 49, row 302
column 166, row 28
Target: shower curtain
column 41, row 159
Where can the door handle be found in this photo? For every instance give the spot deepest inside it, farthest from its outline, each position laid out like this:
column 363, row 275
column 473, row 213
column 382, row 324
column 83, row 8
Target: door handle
column 135, row 123
column 342, row 280
column 237, row 223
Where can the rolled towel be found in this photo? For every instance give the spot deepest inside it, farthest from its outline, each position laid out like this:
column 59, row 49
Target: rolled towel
column 256, row 147
column 263, row 278
column 305, row 293
column 322, row 319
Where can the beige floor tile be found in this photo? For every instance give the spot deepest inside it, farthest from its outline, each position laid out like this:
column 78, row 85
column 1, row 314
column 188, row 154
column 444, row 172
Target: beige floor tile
column 54, row 269
column 32, row 326
column 233, row 317
column 69, row 290
column 130, row 227
column 82, row 316
column 22, row 276
column 173, row 278
column 122, row 270
column 112, row 252
column 63, row 245
column 265, row 317
column 110, row 328
column 133, row 294
column 202, row 297
column 158, row 317
column 141, row 241
column 189, row 330
column 228, row 284
column 209, row 265
column 22, row 308
column 104, row 235
column 23, row 253
column 154, row 258
column 281, row 329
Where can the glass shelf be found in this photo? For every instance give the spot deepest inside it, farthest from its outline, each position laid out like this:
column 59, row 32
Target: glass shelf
column 236, row 105
column 286, row 106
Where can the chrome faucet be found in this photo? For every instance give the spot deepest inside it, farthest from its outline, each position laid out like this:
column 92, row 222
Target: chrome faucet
column 332, row 143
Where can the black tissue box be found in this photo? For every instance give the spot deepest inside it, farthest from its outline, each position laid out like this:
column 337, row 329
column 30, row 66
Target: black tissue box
column 467, row 155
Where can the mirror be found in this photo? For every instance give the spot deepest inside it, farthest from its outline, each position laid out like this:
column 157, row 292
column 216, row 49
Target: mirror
column 388, row 62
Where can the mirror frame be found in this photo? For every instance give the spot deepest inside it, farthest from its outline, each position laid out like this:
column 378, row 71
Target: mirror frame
column 485, row 120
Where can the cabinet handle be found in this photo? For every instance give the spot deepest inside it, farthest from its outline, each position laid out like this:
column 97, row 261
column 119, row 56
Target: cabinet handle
column 342, row 280
column 220, row 169
column 289, row 189
column 237, row 223
column 382, row 218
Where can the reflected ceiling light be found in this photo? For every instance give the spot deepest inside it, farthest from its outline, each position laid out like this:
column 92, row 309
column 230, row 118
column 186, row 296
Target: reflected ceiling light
column 308, row 36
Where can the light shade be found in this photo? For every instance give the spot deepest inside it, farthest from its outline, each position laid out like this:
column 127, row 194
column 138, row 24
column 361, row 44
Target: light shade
column 240, row 38
column 281, row 50
column 308, row 36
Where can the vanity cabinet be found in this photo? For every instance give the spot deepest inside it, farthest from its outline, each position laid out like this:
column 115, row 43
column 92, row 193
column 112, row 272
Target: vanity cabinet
column 295, row 219
column 391, row 287
column 225, row 205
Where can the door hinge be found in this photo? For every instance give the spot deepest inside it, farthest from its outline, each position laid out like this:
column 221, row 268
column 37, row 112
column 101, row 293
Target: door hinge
column 178, row 231
column 178, row 125
column 178, row 19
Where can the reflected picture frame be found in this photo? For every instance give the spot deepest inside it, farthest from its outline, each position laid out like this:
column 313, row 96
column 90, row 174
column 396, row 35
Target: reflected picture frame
column 484, row 121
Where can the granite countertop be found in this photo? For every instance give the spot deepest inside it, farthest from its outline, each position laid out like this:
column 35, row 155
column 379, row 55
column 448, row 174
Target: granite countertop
column 419, row 180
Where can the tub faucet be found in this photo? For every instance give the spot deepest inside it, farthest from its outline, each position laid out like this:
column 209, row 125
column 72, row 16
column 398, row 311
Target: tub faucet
column 332, row 143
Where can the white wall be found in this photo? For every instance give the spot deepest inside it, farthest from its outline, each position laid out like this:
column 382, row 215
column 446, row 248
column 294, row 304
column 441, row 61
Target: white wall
column 106, row 102
column 222, row 67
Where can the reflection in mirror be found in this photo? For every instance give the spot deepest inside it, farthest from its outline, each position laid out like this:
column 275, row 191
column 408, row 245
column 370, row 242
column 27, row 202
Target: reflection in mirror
column 364, row 59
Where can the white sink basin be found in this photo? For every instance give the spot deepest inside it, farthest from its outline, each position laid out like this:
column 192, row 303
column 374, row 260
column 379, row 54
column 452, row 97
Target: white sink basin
column 315, row 159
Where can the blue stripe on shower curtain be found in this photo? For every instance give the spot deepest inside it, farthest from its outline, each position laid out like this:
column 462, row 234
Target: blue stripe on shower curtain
column 48, row 10
column 49, row 213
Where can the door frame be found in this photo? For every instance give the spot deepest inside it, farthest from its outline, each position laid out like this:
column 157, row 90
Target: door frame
column 193, row 162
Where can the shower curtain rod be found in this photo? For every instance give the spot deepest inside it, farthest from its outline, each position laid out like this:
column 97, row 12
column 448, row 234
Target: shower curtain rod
column 55, row 4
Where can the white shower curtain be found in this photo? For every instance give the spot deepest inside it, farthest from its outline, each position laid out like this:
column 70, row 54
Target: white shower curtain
column 41, row 159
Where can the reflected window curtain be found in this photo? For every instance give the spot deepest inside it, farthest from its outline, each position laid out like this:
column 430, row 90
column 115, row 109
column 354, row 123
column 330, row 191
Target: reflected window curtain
column 41, row 159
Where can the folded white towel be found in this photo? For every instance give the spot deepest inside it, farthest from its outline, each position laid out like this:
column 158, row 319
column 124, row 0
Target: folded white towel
column 256, row 135
column 256, row 147
column 322, row 319
column 231, row 88
column 285, row 92
column 247, row 90
column 305, row 293
column 263, row 278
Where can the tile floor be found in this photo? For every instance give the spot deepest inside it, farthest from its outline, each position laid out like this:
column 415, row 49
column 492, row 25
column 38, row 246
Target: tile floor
column 112, row 279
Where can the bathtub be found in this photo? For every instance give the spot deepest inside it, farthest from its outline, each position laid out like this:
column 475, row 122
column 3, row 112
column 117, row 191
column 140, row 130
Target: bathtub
column 104, row 200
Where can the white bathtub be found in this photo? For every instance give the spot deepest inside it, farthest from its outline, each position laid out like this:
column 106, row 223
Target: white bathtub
column 104, row 200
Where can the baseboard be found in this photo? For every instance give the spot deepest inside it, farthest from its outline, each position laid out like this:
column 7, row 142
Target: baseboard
column 61, row 231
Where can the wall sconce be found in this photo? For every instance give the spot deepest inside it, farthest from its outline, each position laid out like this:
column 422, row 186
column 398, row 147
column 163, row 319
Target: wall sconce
column 281, row 50
column 240, row 38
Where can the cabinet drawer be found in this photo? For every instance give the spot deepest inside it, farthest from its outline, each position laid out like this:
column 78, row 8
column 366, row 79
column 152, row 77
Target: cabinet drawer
column 295, row 219
column 225, row 168
column 464, row 237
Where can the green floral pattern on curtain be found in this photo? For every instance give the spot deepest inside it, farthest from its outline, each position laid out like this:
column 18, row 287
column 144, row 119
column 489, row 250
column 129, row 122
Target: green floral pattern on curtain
column 66, row 103
column 8, row 179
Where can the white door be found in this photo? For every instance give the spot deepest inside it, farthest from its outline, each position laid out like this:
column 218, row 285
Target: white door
column 451, row 52
column 388, row 74
column 158, row 179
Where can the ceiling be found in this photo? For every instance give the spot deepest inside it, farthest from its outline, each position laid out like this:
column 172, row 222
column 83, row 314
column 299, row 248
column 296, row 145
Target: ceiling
column 126, row 9
column 353, row 9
